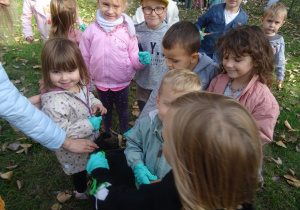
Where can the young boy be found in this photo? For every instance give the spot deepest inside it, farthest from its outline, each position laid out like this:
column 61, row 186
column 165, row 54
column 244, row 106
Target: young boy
column 180, row 46
column 144, row 151
column 218, row 20
column 273, row 18
column 150, row 34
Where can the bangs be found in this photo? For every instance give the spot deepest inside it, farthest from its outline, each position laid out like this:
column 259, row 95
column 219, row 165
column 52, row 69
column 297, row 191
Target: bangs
column 63, row 60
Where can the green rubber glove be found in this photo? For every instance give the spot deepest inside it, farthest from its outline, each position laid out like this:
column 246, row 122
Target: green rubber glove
column 95, row 121
column 128, row 132
column 82, row 27
column 202, row 38
column 142, row 174
column 145, row 57
column 97, row 161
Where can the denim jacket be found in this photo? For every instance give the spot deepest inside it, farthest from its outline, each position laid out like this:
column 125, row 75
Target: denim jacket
column 145, row 144
column 214, row 21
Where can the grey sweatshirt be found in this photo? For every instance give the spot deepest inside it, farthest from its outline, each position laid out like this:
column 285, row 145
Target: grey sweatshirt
column 206, row 70
column 151, row 41
column 278, row 45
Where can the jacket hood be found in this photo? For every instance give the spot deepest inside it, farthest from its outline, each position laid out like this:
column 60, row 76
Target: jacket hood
column 204, row 61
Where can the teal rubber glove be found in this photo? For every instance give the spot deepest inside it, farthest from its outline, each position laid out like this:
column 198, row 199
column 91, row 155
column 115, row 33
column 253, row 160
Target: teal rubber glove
column 127, row 132
column 82, row 27
column 97, row 160
column 145, row 57
column 95, row 121
column 142, row 174
column 202, row 38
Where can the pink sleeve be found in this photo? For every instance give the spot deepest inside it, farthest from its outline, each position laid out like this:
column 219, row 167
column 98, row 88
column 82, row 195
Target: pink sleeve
column 26, row 19
column 211, row 86
column 133, row 51
column 85, row 45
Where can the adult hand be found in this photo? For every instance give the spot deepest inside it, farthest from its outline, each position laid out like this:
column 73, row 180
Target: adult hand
column 279, row 81
column 79, row 145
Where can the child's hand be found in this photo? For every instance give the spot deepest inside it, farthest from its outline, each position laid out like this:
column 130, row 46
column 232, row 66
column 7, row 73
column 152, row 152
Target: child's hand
column 97, row 161
column 145, row 57
column 29, row 39
column 82, row 27
column 152, row 182
column 36, row 101
column 279, row 82
column 202, row 34
column 99, row 107
column 143, row 175
column 95, row 121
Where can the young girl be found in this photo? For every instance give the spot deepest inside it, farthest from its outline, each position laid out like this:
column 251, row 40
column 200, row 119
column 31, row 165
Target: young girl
column 69, row 104
column 248, row 64
column 213, row 145
column 110, row 50
column 41, row 11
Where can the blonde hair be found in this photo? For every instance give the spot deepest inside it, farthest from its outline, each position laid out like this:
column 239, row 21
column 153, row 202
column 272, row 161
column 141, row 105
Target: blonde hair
column 215, row 149
column 277, row 9
column 63, row 17
column 180, row 80
column 63, row 55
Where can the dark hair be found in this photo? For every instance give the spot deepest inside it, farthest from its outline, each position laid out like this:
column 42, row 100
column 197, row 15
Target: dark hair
column 62, row 54
column 184, row 34
column 250, row 40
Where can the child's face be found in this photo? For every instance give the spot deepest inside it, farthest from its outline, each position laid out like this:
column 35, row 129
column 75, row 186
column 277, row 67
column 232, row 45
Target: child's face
column 233, row 4
column 271, row 24
column 238, row 67
column 153, row 19
column 111, row 10
column 66, row 80
column 178, row 58
column 165, row 97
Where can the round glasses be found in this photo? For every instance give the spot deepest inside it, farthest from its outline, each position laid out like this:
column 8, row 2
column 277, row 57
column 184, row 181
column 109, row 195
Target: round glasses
column 157, row 10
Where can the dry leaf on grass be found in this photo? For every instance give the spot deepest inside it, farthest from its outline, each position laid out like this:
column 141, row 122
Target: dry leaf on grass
column 56, row 206
column 20, row 151
column 281, row 144
column 37, row 67
column 298, row 148
column 287, row 124
column 281, row 137
column 19, row 184
column 13, row 146
column 292, row 180
column 292, row 139
column 4, row 146
column 278, row 161
column 64, row 196
column 11, row 167
column 7, row 175
column 276, row 178
column 292, row 172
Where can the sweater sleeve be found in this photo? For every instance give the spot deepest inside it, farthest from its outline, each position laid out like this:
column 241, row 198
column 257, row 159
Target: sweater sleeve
column 280, row 60
column 26, row 19
column 17, row 110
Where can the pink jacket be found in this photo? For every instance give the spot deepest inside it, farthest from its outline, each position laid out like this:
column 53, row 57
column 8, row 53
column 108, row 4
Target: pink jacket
column 258, row 99
column 35, row 7
column 111, row 57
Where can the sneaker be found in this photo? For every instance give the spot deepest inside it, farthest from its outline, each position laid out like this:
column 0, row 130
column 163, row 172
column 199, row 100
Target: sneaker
column 81, row 196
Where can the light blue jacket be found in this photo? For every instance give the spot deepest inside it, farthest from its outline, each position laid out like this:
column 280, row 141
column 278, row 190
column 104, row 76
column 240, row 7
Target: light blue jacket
column 145, row 145
column 17, row 110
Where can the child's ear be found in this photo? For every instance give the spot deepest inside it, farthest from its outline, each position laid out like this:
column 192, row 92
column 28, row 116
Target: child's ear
column 262, row 20
column 195, row 57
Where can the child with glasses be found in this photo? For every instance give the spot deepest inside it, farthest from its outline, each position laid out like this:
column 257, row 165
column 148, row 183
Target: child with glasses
column 150, row 34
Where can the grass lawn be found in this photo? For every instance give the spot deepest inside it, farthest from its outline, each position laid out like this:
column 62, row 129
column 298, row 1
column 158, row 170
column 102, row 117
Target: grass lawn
column 40, row 174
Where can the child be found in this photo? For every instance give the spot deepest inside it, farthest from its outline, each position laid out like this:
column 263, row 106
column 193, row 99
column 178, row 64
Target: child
column 110, row 50
column 150, row 34
column 144, row 152
column 247, row 65
column 171, row 17
column 273, row 18
column 69, row 104
column 41, row 11
column 213, row 146
column 218, row 20
column 180, row 46
column 63, row 13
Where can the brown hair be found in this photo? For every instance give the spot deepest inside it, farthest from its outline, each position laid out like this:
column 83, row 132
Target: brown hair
column 62, row 54
column 180, row 80
column 214, row 149
column 63, row 16
column 183, row 34
column 249, row 40
column 277, row 9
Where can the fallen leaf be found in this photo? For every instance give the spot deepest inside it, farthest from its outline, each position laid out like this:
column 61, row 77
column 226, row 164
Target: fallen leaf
column 11, row 167
column 37, row 67
column 19, row 184
column 13, row 146
column 7, row 175
column 4, row 146
column 276, row 178
column 17, row 39
column 292, row 180
column 296, row 184
column 268, row 159
column 33, row 54
column 298, row 148
column 20, row 151
column 287, row 124
column 22, row 78
column 16, row 67
column 131, row 123
column 292, row 139
column 281, row 137
column 24, row 61
column 64, row 196
column 281, row 144
column 278, row 161
column 292, row 172
column 135, row 107
column 56, row 206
